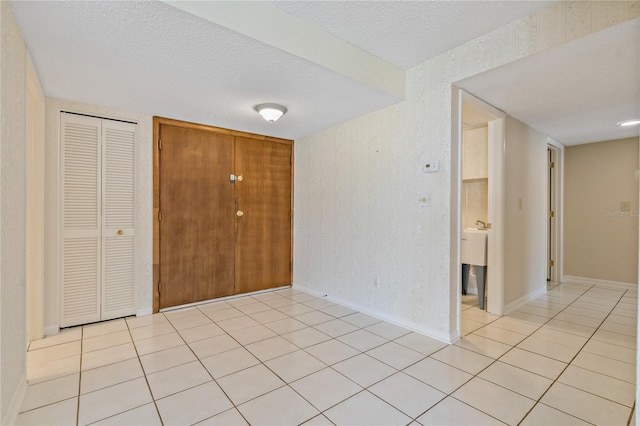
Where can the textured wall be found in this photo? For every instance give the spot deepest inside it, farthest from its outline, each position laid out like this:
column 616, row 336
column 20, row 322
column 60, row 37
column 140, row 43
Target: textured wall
column 600, row 237
column 12, row 215
column 144, row 208
column 360, row 235
column 35, row 204
column 525, row 211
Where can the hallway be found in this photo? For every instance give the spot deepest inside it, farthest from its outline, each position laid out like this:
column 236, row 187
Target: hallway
column 287, row 357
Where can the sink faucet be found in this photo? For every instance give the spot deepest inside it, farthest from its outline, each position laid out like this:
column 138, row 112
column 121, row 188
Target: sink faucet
column 482, row 224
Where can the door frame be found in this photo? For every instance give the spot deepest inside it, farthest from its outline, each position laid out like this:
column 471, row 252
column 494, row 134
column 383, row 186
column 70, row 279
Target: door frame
column 555, row 234
column 496, row 209
column 157, row 122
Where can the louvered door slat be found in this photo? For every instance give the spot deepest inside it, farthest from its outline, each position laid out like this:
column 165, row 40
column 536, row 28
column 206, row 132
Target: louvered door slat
column 81, row 198
column 118, row 217
column 80, row 283
column 118, row 279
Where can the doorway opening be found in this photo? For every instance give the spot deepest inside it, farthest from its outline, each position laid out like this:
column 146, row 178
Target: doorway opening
column 554, row 218
column 478, row 194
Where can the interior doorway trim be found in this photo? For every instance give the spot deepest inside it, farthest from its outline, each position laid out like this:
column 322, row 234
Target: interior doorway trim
column 555, row 234
column 496, row 208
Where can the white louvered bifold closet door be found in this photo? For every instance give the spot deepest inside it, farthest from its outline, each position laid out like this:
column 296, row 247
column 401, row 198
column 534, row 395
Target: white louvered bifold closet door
column 98, row 173
column 81, row 227
column 118, row 179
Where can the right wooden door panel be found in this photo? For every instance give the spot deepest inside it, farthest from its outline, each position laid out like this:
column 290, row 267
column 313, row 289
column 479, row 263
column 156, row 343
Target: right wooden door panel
column 198, row 216
column 263, row 236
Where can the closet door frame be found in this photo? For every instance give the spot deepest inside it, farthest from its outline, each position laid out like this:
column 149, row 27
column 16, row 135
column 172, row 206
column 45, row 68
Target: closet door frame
column 157, row 123
column 103, row 125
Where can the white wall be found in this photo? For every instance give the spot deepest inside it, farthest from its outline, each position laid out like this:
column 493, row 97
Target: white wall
column 360, row 235
column 143, row 261
column 35, row 204
column 600, row 238
column 475, row 183
column 525, row 213
column 13, row 62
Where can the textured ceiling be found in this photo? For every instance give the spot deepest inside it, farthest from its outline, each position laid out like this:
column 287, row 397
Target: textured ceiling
column 406, row 33
column 576, row 93
column 150, row 57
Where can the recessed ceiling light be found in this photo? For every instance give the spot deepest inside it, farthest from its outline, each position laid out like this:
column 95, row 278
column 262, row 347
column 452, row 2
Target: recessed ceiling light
column 627, row 123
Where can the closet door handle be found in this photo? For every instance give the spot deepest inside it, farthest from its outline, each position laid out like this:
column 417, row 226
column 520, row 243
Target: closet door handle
column 239, row 213
column 119, row 231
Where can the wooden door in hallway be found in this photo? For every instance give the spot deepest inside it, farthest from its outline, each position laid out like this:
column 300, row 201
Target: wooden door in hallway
column 197, row 215
column 222, row 200
column 263, row 238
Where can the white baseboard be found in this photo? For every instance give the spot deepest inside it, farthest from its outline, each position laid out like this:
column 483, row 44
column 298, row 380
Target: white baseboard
column 409, row 325
column 11, row 415
column 50, row 330
column 516, row 304
column 144, row 311
column 599, row 282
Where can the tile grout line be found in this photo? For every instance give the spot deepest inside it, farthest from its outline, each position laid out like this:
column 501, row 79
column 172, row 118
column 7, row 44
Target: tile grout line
column 513, row 346
column 80, row 377
column 631, row 414
column 125, row 381
column 567, row 364
column 360, row 352
column 572, row 359
column 233, row 404
column 321, row 412
column 144, row 373
column 497, row 359
column 536, row 402
column 267, row 367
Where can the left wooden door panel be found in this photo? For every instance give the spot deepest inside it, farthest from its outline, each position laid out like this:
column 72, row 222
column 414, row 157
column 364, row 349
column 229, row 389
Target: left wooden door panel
column 196, row 201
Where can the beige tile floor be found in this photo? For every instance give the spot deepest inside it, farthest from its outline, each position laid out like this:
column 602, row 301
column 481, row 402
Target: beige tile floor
column 286, row 358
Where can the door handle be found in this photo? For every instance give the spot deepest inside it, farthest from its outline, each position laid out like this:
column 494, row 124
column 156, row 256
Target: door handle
column 119, row 231
column 239, row 213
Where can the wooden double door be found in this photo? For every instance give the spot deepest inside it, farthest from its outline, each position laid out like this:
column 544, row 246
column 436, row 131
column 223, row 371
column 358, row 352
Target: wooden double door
column 223, row 201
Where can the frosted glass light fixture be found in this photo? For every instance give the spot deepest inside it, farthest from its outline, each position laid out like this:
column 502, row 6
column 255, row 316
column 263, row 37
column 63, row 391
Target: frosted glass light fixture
column 627, row 123
column 271, row 112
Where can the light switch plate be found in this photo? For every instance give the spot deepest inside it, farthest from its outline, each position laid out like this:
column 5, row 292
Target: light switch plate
column 431, row 166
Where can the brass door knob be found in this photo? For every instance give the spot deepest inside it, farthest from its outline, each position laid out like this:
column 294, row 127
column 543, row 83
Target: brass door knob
column 119, row 231
column 239, row 178
column 239, row 213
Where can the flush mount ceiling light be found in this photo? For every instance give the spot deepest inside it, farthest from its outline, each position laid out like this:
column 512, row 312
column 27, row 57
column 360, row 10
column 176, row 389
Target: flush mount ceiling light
column 627, row 123
column 271, row 112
